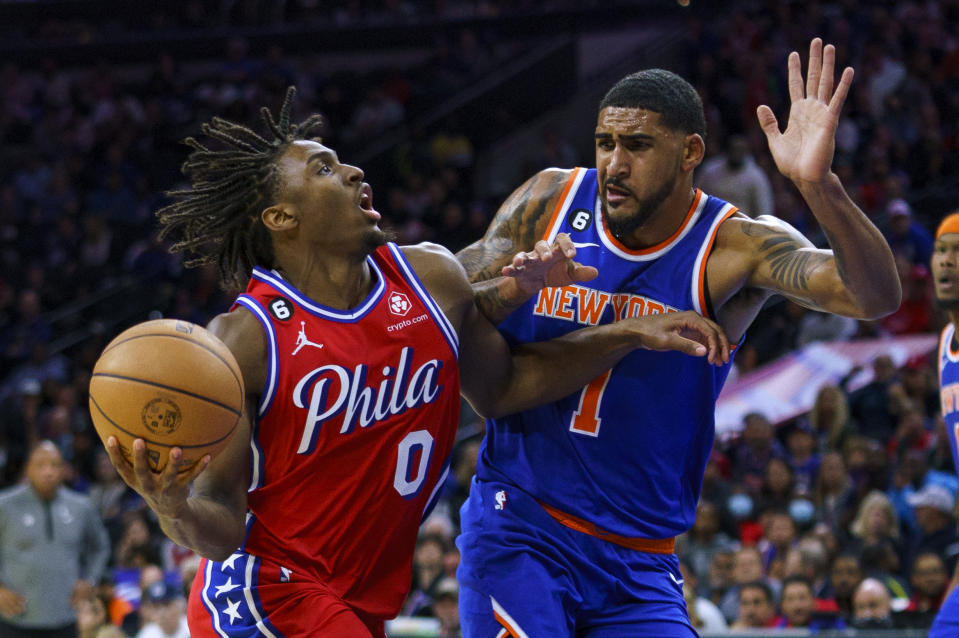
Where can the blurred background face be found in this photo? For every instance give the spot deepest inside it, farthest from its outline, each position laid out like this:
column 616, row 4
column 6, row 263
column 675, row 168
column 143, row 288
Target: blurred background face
column 747, row 566
column 721, row 570
column 797, row 604
column 871, row 601
column 45, row 470
column 707, row 519
column 845, row 575
column 755, row 610
column 929, row 576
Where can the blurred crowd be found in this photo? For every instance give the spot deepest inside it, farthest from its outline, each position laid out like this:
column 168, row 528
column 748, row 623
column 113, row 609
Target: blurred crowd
column 845, row 516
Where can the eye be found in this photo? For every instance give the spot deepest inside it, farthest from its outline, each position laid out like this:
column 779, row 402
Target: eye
column 325, row 169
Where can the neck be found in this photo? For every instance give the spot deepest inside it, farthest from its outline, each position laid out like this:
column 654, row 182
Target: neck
column 340, row 284
column 663, row 222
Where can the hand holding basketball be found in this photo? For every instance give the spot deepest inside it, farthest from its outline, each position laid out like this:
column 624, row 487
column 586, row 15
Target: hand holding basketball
column 171, row 384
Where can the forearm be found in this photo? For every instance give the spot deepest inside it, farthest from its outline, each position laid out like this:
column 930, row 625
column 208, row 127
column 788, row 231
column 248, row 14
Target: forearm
column 864, row 260
column 545, row 371
column 209, row 528
column 498, row 298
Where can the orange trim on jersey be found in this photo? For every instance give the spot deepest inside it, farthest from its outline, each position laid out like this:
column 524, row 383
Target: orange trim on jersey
column 701, row 285
column 649, row 545
column 506, row 628
column 562, row 200
column 948, row 342
column 665, row 242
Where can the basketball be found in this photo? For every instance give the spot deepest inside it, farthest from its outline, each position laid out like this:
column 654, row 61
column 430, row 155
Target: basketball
column 171, row 383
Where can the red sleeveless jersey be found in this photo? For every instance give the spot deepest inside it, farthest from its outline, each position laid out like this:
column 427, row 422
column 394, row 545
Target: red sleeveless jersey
column 354, row 431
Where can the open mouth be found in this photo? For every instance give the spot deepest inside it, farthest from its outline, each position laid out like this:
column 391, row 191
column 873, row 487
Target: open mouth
column 615, row 194
column 366, row 201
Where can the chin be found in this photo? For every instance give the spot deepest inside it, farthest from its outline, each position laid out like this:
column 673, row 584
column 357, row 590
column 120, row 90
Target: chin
column 376, row 237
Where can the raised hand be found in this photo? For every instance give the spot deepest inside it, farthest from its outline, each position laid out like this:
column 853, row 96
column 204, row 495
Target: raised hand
column 548, row 265
column 165, row 492
column 804, row 151
column 683, row 331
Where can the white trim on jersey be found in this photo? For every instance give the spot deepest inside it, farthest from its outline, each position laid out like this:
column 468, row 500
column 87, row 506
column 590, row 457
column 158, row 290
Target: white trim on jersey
column 442, row 322
column 604, row 236
column 273, row 354
column 945, row 352
column 514, row 629
column 570, row 196
column 210, row 607
column 436, row 489
column 250, row 603
column 707, row 240
column 276, row 280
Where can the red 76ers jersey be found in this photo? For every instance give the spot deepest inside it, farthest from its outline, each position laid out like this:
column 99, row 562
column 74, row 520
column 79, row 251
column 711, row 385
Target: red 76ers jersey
column 353, row 433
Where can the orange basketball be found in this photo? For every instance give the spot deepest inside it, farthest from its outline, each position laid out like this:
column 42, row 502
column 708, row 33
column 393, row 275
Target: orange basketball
column 171, row 383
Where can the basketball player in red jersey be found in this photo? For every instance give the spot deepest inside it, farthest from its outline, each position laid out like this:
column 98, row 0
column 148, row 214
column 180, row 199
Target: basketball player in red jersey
column 353, row 352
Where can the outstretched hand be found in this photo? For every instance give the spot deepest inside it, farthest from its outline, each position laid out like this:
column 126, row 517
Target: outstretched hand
column 166, row 491
column 548, row 265
column 686, row 332
column 804, row 151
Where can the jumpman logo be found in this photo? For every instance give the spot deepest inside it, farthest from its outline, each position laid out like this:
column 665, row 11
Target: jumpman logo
column 301, row 339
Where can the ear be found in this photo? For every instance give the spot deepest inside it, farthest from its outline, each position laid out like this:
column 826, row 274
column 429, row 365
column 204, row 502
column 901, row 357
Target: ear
column 279, row 217
column 693, row 151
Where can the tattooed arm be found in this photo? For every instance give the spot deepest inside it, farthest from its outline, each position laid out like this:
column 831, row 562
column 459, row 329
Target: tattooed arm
column 858, row 277
column 846, row 280
column 519, row 223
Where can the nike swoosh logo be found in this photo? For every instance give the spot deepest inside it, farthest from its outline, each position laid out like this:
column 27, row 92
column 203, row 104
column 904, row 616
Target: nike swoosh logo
column 678, row 582
column 577, row 244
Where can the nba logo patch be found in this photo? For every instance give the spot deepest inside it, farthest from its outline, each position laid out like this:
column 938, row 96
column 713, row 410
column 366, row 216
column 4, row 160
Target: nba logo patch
column 500, row 500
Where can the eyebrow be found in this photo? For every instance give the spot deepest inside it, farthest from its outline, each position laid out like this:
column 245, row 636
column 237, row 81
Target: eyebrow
column 628, row 138
column 327, row 155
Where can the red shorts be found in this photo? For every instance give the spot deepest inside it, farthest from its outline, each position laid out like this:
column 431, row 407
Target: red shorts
column 247, row 596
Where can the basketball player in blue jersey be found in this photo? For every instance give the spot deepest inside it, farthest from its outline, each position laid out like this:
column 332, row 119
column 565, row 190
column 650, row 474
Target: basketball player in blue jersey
column 945, row 276
column 569, row 526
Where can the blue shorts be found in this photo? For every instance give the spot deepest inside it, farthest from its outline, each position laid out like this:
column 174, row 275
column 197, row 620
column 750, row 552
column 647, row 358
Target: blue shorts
column 946, row 624
column 522, row 573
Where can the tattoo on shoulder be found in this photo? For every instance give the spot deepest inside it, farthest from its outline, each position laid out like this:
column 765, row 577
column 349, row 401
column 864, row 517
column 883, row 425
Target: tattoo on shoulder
column 516, row 227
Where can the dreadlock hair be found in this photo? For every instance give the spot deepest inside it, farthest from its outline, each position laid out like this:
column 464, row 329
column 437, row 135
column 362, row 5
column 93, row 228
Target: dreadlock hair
column 218, row 219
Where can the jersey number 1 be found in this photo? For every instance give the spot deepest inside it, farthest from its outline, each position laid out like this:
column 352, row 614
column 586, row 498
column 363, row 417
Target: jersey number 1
column 586, row 417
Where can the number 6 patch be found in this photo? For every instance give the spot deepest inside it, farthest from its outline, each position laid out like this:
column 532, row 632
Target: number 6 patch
column 281, row 308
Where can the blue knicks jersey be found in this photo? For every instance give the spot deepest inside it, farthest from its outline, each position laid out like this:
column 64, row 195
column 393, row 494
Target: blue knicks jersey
column 949, row 388
column 628, row 451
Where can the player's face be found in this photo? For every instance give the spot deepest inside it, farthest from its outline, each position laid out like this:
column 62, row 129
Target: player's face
column 333, row 201
column 639, row 164
column 945, row 270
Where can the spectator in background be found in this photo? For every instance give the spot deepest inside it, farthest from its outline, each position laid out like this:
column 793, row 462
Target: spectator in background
column 934, row 506
column 829, row 417
column 778, row 486
column 906, row 236
column 698, row 546
column 803, row 458
column 876, row 522
column 733, row 175
column 163, row 604
column 833, row 493
column 870, row 404
column 845, row 574
column 872, row 606
column 915, row 313
column 427, row 573
column 446, row 607
column 91, row 616
column 754, row 451
column 823, row 326
column 704, row 615
column 53, row 550
column 747, row 568
column 929, row 580
column 757, row 610
column 799, row 608
column 720, row 575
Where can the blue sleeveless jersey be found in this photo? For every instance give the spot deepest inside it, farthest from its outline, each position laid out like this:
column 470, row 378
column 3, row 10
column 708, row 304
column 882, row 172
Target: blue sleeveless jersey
column 626, row 453
column 949, row 388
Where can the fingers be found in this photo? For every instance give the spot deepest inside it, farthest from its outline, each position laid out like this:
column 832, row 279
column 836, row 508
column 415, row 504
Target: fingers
column 795, row 77
column 123, row 466
column 826, row 78
column 565, row 244
column 578, row 272
column 839, row 97
column 814, row 71
column 710, row 334
column 767, row 121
